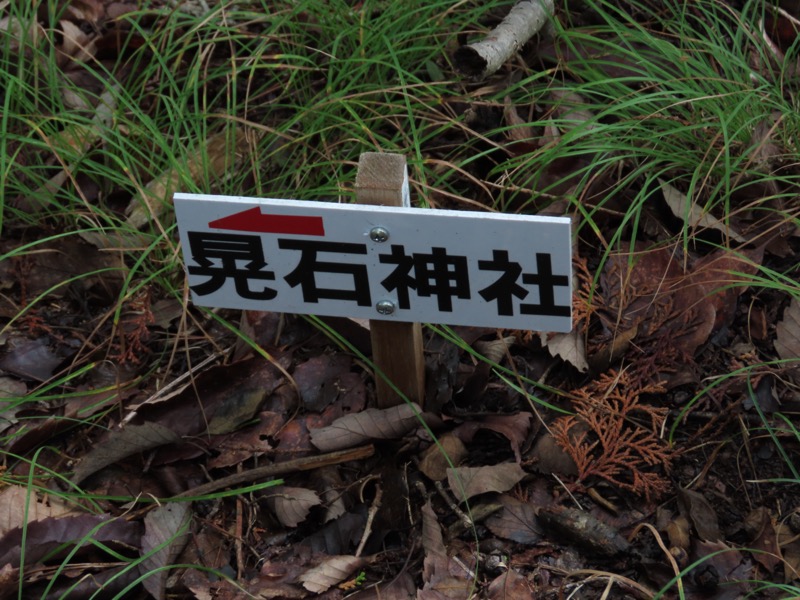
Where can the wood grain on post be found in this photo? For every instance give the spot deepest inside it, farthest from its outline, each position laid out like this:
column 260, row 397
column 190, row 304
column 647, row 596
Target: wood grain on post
column 396, row 347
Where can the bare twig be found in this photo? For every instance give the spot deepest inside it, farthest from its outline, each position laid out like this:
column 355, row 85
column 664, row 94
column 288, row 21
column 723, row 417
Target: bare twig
column 373, row 510
column 522, row 22
column 290, row 466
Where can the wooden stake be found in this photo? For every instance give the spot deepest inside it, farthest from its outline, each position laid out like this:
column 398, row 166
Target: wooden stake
column 396, row 347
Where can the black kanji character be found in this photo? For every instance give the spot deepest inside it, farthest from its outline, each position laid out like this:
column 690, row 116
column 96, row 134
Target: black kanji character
column 506, row 285
column 304, row 273
column 400, row 279
column 435, row 274
column 227, row 248
column 546, row 281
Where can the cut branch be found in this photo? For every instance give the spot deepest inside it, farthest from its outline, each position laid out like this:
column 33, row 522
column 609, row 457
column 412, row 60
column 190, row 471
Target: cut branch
column 487, row 56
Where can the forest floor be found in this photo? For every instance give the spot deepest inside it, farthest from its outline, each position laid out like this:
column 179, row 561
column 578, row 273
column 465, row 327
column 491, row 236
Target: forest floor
column 152, row 447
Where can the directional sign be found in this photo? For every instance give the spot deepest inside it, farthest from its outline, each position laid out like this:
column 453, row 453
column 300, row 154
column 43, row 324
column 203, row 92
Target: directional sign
column 378, row 262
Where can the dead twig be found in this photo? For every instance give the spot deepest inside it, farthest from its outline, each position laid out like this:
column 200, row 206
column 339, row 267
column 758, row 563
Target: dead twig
column 290, row 466
column 483, row 58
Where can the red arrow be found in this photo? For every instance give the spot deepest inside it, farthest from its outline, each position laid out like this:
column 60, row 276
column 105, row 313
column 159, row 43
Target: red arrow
column 254, row 220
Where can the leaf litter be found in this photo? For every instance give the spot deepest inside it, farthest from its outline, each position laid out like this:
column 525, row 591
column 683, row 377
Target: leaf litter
column 272, row 473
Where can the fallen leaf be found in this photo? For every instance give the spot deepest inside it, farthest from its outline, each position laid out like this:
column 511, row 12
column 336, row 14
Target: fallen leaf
column 340, row 535
column 20, row 505
column 69, row 147
column 692, row 214
column 648, row 291
column 316, row 379
column 224, row 396
column 371, row 424
column 760, row 526
column 514, row 428
column 721, row 278
column 694, row 506
column 247, row 443
column 516, row 521
column 569, row 347
column 124, row 443
column 165, row 536
column 212, row 158
column 466, row 482
column 730, row 569
column 330, row 483
column 30, row 359
column 787, row 337
column 511, row 585
column 239, row 407
column 291, row 505
column 789, row 543
column 519, row 130
column 400, row 588
column 329, row 572
column 552, row 458
column 437, row 458
column 42, row 537
column 438, row 581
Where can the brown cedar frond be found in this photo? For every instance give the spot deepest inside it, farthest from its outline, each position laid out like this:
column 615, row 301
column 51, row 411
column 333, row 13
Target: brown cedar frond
column 615, row 437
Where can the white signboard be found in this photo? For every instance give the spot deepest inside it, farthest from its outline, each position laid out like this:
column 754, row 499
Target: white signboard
column 378, row 262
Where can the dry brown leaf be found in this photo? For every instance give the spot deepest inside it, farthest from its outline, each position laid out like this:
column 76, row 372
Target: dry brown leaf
column 43, row 537
column 438, row 581
column 68, row 147
column 719, row 278
column 132, row 439
column 760, row 526
column 730, row 565
column 213, row 158
column 789, row 544
column 75, row 46
column 449, row 452
column 291, row 505
column 694, row 506
column 516, row 521
column 319, row 377
column 338, row 536
column 466, row 482
column 692, row 214
column 400, row 588
column 20, row 505
column 240, row 406
column 511, row 585
column 519, row 130
column 514, row 428
column 329, row 572
column 569, row 347
column 649, row 291
column 496, row 350
column 371, row 424
column 165, row 536
column 787, row 336
column 329, row 482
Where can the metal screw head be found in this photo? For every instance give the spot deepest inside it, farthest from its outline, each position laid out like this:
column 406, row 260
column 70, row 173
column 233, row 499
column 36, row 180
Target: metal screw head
column 385, row 307
column 379, row 234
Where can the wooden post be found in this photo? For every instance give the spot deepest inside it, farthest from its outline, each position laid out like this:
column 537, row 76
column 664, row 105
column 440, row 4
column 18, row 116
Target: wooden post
column 396, row 347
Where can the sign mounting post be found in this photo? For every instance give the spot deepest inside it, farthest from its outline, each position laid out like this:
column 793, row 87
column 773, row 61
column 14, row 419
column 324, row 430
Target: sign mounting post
column 382, row 180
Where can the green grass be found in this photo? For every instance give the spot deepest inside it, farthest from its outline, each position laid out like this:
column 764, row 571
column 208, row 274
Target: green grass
column 280, row 98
